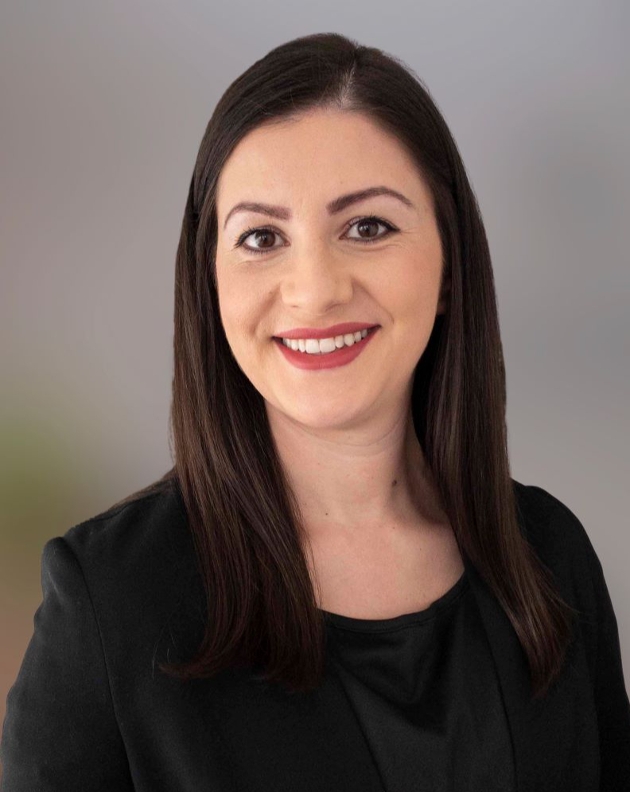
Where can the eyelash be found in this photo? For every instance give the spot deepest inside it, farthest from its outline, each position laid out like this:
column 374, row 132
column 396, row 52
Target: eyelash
column 390, row 228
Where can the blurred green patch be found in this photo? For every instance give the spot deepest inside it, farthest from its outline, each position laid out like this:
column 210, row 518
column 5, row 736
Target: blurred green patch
column 43, row 488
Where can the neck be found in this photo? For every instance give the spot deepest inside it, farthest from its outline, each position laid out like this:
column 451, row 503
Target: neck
column 361, row 480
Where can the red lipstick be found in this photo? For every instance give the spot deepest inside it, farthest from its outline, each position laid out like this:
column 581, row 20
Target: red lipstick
column 317, row 362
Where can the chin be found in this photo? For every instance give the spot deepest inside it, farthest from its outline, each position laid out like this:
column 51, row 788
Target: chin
column 323, row 417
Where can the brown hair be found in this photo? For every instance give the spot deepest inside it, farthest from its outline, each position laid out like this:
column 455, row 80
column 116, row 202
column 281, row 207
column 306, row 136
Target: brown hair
column 244, row 518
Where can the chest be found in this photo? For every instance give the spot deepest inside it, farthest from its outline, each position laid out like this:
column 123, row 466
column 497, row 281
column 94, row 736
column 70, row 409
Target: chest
column 384, row 574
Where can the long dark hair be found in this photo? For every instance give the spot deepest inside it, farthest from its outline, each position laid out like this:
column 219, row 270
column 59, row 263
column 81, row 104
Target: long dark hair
column 246, row 525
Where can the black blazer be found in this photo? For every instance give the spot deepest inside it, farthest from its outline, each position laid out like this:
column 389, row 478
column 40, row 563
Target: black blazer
column 90, row 710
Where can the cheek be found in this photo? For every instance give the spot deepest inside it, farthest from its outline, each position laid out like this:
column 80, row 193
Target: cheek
column 236, row 323
column 240, row 306
column 411, row 287
column 229, row 292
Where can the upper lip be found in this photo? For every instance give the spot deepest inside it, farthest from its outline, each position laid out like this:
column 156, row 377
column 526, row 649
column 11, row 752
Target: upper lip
column 326, row 332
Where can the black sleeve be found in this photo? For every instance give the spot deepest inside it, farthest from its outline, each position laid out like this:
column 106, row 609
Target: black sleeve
column 60, row 730
column 611, row 697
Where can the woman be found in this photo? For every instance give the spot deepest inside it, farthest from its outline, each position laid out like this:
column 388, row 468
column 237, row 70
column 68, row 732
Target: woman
column 338, row 585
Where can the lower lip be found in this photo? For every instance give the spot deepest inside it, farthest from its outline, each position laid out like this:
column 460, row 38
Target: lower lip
column 340, row 357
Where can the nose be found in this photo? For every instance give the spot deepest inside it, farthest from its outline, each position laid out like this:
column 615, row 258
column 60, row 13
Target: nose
column 316, row 281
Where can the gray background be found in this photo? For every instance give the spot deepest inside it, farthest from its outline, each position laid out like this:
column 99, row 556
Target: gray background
column 103, row 106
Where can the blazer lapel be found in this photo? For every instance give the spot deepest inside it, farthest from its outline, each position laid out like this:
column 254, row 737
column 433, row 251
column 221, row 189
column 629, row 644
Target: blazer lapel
column 553, row 738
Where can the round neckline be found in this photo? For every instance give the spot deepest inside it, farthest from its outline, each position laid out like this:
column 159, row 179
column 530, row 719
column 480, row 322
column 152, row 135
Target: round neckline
column 404, row 619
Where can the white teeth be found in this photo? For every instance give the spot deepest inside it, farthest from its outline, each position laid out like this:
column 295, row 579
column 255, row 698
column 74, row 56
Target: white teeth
column 322, row 346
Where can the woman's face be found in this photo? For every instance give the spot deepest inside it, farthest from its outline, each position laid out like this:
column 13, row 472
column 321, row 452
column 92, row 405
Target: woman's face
column 315, row 269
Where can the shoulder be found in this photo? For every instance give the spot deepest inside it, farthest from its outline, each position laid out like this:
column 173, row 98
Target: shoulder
column 134, row 560
column 135, row 567
column 562, row 542
column 548, row 522
column 132, row 534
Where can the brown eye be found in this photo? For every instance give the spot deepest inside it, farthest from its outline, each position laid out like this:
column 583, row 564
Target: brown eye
column 367, row 229
column 263, row 238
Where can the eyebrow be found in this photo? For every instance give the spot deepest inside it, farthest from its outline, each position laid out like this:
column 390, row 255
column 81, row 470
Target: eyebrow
column 333, row 207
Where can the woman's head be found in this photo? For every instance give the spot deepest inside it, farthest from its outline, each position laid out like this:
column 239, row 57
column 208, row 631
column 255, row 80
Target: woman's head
column 319, row 260
column 315, row 119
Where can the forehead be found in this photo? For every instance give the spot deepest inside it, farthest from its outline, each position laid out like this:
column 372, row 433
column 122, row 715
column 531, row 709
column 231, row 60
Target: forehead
column 316, row 156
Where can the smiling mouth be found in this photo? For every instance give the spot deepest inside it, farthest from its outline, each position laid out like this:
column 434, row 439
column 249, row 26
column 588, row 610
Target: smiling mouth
column 364, row 334
column 313, row 359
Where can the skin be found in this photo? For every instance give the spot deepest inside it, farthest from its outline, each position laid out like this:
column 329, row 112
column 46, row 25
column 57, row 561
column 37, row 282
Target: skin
column 344, row 435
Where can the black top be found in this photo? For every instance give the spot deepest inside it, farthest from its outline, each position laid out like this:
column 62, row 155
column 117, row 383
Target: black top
column 425, row 691
column 90, row 710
